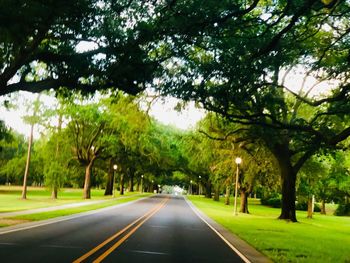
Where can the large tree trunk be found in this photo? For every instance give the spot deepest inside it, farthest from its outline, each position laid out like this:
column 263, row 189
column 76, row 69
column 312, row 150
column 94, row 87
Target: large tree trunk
column 208, row 189
column 122, row 184
column 244, row 201
column 54, row 192
column 288, row 192
column 217, row 193
column 288, row 176
column 26, row 172
column 323, row 207
column 131, row 182
column 87, row 182
column 310, row 206
column 227, row 196
column 110, row 179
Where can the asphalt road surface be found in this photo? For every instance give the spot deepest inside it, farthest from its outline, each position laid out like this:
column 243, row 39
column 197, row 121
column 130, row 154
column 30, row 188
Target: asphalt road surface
column 158, row 229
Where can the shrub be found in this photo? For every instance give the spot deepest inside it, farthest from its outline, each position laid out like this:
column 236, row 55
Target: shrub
column 303, row 206
column 343, row 210
column 274, row 200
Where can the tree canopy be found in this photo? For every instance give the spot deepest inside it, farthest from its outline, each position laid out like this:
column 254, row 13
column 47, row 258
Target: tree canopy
column 239, row 59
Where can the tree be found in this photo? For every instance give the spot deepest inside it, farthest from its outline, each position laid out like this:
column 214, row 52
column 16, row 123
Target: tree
column 236, row 62
column 56, row 155
column 258, row 162
column 311, row 173
column 87, row 45
column 32, row 120
column 85, row 131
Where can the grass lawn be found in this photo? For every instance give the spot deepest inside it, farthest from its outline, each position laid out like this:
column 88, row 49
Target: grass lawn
column 321, row 239
column 37, row 197
column 71, row 211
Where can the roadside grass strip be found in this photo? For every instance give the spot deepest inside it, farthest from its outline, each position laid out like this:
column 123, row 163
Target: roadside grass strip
column 324, row 238
column 75, row 210
column 39, row 197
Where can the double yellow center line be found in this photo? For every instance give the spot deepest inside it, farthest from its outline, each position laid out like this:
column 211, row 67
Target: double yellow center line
column 141, row 219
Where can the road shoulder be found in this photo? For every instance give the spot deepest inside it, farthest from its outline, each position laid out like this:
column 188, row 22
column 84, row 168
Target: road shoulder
column 250, row 254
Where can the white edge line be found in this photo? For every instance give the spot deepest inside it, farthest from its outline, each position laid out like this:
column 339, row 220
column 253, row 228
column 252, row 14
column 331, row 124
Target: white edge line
column 69, row 217
column 244, row 258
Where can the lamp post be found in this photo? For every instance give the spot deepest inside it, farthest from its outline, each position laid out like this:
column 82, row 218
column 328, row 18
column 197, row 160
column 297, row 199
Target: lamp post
column 115, row 167
column 238, row 162
column 141, row 183
column 199, row 185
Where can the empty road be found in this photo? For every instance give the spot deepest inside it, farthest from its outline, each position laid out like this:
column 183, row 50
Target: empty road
column 158, row 229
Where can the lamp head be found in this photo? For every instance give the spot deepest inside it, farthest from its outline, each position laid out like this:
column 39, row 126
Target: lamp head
column 238, row 160
column 115, row 167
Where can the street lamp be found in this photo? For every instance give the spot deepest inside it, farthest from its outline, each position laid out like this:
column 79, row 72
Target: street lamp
column 115, row 167
column 199, row 185
column 238, row 162
column 141, row 183
column 191, row 187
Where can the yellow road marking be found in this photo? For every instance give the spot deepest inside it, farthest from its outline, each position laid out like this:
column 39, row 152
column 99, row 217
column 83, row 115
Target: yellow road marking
column 116, row 245
column 88, row 254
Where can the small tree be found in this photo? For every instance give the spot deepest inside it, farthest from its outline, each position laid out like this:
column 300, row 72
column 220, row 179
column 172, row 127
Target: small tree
column 32, row 120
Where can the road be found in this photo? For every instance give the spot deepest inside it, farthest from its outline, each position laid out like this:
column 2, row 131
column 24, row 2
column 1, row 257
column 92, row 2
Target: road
column 158, row 229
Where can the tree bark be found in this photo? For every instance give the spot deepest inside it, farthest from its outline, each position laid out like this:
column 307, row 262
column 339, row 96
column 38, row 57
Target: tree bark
column 244, row 202
column 54, row 192
column 110, row 179
column 59, row 128
column 323, row 207
column 288, row 176
column 217, row 193
column 310, row 208
column 131, row 182
column 227, row 196
column 208, row 189
column 87, row 182
column 122, row 184
column 26, row 172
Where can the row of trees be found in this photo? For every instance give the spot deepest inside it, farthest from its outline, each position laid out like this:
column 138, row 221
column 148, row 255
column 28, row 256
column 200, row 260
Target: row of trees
column 84, row 140
column 234, row 59
column 90, row 138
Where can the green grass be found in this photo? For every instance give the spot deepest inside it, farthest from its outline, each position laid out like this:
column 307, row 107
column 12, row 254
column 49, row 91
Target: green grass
column 321, row 239
column 71, row 211
column 37, row 197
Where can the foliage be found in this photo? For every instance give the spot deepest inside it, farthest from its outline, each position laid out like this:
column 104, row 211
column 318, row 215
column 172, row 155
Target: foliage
column 273, row 201
column 302, row 206
column 343, row 210
column 237, row 65
column 54, row 175
column 87, row 45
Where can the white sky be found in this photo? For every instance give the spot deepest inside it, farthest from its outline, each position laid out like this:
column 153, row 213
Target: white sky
column 162, row 110
column 165, row 113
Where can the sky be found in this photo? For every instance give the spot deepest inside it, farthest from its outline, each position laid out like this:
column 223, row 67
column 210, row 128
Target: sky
column 162, row 110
